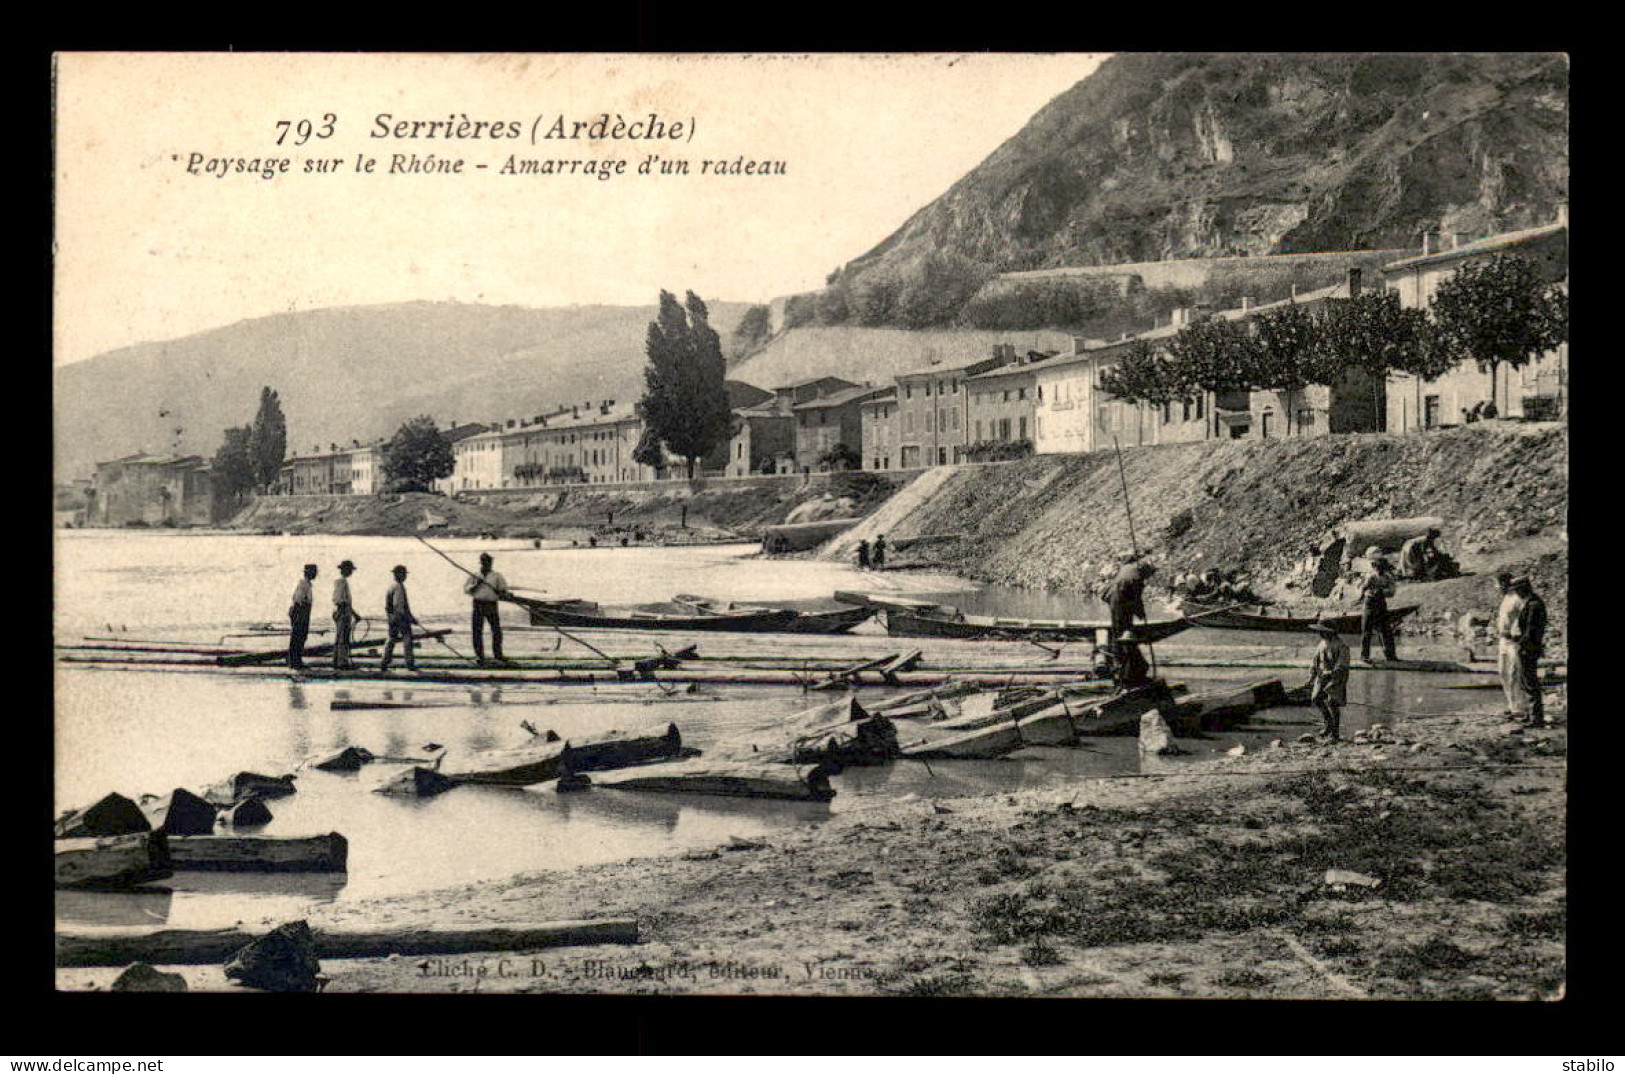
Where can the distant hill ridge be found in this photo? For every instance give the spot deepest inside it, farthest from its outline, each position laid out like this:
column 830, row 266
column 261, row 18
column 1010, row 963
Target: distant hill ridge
column 351, row 373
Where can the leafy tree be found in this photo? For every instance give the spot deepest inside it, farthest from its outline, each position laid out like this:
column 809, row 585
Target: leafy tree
column 1286, row 349
column 1216, row 355
column 233, row 466
column 752, row 330
column 1499, row 311
column 417, row 456
column 841, row 457
column 268, row 440
column 1375, row 332
column 1143, row 377
column 685, row 399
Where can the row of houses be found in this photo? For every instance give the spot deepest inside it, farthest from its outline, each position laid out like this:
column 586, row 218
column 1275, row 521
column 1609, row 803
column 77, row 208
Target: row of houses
column 1045, row 402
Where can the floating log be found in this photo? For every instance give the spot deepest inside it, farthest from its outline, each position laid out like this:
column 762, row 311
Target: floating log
column 416, row 782
column 200, row 947
column 180, row 812
column 740, row 779
column 275, row 655
column 615, row 752
column 112, row 815
column 112, row 861
column 849, row 675
column 349, row 759
column 234, row 789
column 905, row 662
column 260, row 854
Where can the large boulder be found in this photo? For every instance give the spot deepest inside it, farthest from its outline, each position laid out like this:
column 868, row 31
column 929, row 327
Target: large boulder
column 180, row 812
column 141, row 977
column 283, row 960
column 112, row 815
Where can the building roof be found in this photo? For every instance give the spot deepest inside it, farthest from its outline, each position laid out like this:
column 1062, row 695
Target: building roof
column 841, row 398
column 1024, row 365
column 463, row 432
column 963, row 368
column 1478, row 248
column 141, row 458
column 884, row 395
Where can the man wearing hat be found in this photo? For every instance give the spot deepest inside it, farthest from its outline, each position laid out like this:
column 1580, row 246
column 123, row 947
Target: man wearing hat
column 1129, row 668
column 1329, row 679
column 1419, row 558
column 1378, row 586
column 486, row 589
column 299, row 619
column 344, row 618
column 1127, row 596
column 398, row 610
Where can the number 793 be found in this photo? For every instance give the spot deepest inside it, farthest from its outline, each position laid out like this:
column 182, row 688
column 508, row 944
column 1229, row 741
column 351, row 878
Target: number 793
column 304, row 130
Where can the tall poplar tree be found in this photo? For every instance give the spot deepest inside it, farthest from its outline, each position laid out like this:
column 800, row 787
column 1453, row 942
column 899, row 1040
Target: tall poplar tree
column 685, row 399
column 268, row 439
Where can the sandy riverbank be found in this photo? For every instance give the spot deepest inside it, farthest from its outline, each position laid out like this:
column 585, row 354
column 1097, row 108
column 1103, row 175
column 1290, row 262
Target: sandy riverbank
column 1208, row 880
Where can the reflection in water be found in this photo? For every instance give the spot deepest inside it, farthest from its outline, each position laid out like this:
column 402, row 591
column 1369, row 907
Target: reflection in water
column 143, row 906
column 135, row 732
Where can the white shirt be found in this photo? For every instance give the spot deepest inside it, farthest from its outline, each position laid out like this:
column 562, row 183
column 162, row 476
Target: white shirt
column 492, row 587
column 341, row 591
column 1506, row 618
column 301, row 592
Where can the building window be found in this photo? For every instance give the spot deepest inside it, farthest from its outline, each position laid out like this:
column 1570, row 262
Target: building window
column 928, row 389
column 1021, row 393
column 955, row 419
column 1023, row 435
column 1306, row 419
column 1007, row 395
column 1264, row 424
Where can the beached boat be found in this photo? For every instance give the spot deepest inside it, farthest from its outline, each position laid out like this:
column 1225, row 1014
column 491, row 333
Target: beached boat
column 739, row 779
column 586, row 615
column 1233, row 619
column 908, row 624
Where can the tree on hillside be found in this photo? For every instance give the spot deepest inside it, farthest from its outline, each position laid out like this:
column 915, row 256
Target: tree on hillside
column 685, row 399
column 752, row 331
column 416, row 457
column 1500, row 311
column 268, row 440
column 233, row 467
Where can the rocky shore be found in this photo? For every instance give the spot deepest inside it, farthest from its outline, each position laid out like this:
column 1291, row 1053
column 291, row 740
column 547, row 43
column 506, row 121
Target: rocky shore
column 1424, row 860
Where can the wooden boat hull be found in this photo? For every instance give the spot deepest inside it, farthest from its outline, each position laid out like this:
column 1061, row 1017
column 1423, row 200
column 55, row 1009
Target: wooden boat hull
column 260, row 854
column 1230, row 619
column 112, row 861
column 732, row 779
column 758, row 622
column 906, row 624
column 826, row 621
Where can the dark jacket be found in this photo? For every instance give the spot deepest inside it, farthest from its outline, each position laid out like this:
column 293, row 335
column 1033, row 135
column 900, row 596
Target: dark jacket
column 1532, row 624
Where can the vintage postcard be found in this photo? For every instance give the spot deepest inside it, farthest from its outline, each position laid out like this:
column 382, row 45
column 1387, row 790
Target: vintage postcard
column 1068, row 524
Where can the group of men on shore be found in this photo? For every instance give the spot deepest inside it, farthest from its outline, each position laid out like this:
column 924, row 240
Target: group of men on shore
column 486, row 589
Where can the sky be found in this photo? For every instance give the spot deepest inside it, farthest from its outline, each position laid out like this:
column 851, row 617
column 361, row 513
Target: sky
column 152, row 244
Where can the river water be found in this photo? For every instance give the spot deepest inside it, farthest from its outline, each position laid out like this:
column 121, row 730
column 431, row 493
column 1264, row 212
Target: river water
column 149, row 731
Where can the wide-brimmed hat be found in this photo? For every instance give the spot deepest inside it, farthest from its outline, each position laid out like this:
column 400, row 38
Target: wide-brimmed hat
column 1323, row 628
column 397, row 569
column 485, row 557
column 1522, row 579
column 346, row 566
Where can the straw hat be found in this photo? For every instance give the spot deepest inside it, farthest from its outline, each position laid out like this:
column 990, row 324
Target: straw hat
column 1322, row 628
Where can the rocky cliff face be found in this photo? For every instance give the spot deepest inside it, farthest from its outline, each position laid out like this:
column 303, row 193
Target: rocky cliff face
column 1161, row 156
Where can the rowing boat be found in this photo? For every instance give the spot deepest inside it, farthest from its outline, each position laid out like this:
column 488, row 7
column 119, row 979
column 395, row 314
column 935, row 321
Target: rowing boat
column 1231, row 619
column 586, row 615
column 907, row 624
column 807, row 621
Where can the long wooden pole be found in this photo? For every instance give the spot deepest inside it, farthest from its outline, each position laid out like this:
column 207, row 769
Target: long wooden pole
column 533, row 611
column 1122, row 475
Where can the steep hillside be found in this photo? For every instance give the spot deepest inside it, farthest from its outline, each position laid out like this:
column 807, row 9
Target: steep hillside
column 875, row 355
column 1257, row 508
column 350, row 373
column 1159, row 156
